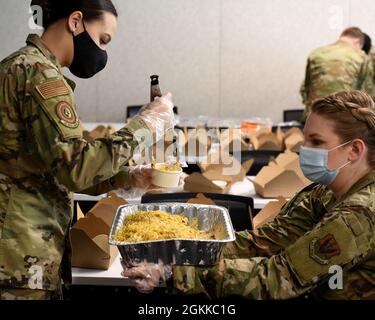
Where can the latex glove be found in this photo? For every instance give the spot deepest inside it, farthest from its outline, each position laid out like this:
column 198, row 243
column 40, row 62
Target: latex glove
column 140, row 176
column 183, row 178
column 145, row 277
column 158, row 115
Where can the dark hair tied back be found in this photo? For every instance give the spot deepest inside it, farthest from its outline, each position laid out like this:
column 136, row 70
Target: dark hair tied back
column 54, row 10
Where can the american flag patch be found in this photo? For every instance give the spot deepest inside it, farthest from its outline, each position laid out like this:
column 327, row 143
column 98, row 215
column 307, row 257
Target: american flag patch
column 53, row 89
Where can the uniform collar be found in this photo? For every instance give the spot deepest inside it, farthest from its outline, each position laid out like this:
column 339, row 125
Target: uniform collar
column 360, row 184
column 36, row 41
column 342, row 42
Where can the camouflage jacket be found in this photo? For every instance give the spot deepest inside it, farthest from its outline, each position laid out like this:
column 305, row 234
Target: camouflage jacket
column 313, row 235
column 334, row 68
column 372, row 56
column 43, row 158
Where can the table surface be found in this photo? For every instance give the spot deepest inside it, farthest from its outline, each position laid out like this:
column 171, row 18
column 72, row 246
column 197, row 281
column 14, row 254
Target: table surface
column 110, row 277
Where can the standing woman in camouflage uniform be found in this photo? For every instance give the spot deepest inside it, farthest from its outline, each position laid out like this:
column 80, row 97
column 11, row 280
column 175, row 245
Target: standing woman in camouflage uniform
column 326, row 230
column 43, row 157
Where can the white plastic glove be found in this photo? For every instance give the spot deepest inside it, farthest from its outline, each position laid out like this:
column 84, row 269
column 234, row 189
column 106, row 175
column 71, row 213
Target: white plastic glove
column 140, row 176
column 158, row 115
column 145, row 277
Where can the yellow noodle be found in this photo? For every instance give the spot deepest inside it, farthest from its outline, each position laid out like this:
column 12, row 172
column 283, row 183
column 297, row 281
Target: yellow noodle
column 169, row 168
column 157, row 225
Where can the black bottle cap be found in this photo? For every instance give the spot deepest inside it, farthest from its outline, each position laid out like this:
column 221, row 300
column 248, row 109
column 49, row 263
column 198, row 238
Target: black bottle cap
column 154, row 80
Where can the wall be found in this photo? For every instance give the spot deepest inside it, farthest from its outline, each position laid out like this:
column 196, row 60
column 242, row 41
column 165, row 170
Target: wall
column 226, row 58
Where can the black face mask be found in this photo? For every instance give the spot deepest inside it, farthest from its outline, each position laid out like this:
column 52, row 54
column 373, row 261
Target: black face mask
column 88, row 59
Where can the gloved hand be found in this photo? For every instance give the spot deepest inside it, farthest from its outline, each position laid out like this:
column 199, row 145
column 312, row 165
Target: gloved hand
column 140, row 176
column 133, row 177
column 158, row 115
column 145, row 277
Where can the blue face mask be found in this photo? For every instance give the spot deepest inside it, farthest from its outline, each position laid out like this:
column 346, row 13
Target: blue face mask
column 314, row 164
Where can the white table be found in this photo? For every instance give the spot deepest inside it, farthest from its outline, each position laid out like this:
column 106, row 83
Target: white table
column 246, row 188
column 110, row 277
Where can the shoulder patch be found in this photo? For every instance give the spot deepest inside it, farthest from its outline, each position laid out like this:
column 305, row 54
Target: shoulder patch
column 330, row 243
column 50, row 73
column 52, row 89
column 324, row 249
column 67, row 115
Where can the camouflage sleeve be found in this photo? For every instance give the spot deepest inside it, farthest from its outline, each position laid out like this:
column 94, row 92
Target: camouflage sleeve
column 304, row 89
column 293, row 221
column 119, row 181
column 57, row 132
column 344, row 238
column 366, row 77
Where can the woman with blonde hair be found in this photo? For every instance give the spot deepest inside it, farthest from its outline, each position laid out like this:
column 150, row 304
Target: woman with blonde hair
column 323, row 240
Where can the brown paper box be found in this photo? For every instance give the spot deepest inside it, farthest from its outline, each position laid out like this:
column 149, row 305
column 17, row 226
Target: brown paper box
column 266, row 140
column 216, row 171
column 201, row 199
column 205, row 182
column 228, row 139
column 269, row 212
column 293, row 140
column 196, row 142
column 290, row 160
column 282, row 177
column 89, row 236
column 197, row 182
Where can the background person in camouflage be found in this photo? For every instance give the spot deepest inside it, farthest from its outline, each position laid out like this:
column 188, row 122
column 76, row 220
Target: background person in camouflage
column 370, row 50
column 322, row 226
column 337, row 67
column 43, row 157
column 367, row 44
column 372, row 56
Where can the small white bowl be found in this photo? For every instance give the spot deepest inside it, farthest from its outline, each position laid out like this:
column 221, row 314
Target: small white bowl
column 166, row 179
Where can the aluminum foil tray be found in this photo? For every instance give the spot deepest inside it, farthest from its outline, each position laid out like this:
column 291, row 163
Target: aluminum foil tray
column 213, row 219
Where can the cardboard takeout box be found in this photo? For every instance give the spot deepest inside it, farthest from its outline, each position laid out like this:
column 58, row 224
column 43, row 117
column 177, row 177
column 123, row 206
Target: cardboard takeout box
column 89, row 236
column 293, row 139
column 282, row 177
column 216, row 177
column 269, row 212
column 267, row 140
